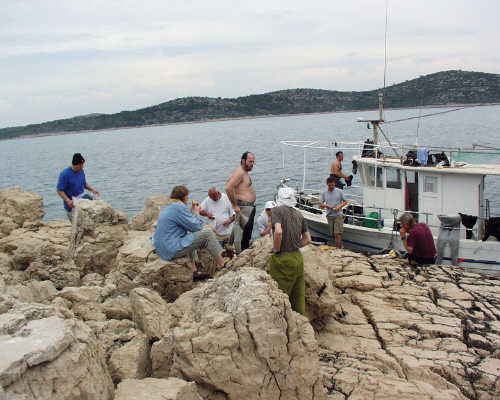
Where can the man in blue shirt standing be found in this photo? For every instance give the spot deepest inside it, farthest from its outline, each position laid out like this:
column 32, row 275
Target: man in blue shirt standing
column 72, row 184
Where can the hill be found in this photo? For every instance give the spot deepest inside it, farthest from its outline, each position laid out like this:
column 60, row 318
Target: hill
column 446, row 87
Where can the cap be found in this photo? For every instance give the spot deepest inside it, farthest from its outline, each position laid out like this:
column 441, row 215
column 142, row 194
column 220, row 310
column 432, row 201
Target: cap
column 270, row 204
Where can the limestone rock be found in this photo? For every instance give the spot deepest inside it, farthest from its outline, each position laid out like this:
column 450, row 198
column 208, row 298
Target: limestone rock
column 150, row 312
column 132, row 256
column 112, row 334
column 320, row 292
column 93, row 279
column 84, row 294
column 32, row 291
column 85, row 301
column 131, row 361
column 17, row 208
column 139, row 266
column 98, row 232
column 45, row 356
column 42, row 253
column 157, row 389
column 238, row 335
column 169, row 278
column 405, row 333
column 145, row 220
column 256, row 256
column 118, row 307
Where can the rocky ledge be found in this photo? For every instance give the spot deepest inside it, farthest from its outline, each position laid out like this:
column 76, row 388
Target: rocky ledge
column 90, row 312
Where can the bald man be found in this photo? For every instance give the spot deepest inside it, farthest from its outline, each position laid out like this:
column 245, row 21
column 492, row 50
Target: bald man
column 219, row 211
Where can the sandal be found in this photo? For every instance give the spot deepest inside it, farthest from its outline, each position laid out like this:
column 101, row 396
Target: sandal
column 200, row 276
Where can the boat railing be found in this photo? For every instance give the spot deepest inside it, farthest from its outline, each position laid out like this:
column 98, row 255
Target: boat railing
column 376, row 221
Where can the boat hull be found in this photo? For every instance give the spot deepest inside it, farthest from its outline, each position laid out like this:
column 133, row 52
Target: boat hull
column 473, row 254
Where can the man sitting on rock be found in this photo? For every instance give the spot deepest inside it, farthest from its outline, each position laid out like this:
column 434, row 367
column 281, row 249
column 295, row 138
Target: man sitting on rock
column 179, row 232
column 72, row 184
column 417, row 240
column 289, row 235
column 218, row 209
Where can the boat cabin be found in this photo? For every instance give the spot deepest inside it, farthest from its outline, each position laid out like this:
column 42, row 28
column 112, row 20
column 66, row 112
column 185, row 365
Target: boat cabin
column 427, row 191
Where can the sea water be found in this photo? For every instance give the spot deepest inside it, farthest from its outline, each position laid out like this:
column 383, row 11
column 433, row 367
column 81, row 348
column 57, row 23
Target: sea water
column 130, row 165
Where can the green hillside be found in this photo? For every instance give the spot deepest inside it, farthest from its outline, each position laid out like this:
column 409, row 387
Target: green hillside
column 440, row 88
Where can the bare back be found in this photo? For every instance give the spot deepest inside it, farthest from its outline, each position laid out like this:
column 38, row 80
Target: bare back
column 239, row 184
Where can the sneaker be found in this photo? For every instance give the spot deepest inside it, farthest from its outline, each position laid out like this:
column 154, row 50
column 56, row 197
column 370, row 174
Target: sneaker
column 200, row 276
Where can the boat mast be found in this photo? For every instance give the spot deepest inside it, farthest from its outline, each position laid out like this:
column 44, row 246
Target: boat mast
column 376, row 122
column 380, row 119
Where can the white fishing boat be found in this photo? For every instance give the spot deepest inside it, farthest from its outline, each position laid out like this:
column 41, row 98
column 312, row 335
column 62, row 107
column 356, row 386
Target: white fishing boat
column 392, row 182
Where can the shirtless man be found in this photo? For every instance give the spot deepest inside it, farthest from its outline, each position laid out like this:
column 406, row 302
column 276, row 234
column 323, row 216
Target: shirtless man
column 242, row 196
column 336, row 170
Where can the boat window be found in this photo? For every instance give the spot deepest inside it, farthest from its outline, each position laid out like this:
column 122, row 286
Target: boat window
column 393, row 178
column 411, row 177
column 370, row 176
column 430, row 184
column 362, row 174
column 380, row 177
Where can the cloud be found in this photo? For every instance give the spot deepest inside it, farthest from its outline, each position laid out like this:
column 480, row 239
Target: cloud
column 64, row 58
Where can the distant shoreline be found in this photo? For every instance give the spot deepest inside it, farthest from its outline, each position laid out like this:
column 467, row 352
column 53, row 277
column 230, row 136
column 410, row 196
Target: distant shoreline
column 203, row 121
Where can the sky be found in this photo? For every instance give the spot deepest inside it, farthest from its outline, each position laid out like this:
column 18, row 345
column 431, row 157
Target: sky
column 62, row 58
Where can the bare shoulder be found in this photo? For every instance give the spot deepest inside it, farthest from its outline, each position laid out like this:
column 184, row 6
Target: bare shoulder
column 237, row 173
column 236, row 176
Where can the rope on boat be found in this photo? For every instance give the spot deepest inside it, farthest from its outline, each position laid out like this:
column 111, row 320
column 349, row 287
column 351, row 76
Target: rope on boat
column 437, row 113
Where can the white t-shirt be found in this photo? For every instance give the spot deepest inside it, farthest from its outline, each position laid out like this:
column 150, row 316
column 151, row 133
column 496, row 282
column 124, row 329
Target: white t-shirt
column 262, row 221
column 221, row 210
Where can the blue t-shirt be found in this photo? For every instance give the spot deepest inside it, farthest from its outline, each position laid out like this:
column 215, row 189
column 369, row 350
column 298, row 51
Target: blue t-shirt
column 333, row 198
column 72, row 183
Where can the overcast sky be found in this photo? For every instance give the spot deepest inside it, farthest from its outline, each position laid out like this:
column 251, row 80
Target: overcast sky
column 61, row 58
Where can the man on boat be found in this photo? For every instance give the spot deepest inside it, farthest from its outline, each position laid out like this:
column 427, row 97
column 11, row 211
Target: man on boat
column 264, row 219
column 336, row 170
column 333, row 200
column 289, row 235
column 72, row 183
column 417, row 240
column 242, row 196
column 218, row 209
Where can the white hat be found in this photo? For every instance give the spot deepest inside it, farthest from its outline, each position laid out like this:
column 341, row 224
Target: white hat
column 286, row 197
column 270, row 204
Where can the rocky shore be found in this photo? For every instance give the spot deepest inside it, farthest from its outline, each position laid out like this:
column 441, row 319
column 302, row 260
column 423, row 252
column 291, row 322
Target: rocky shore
column 90, row 312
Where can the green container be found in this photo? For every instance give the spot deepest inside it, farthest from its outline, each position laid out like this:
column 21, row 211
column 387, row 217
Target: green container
column 372, row 223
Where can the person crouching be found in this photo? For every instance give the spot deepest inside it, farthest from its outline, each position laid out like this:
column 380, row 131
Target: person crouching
column 417, row 240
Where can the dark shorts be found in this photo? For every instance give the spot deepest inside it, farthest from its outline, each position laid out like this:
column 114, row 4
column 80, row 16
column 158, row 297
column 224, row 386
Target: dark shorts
column 421, row 260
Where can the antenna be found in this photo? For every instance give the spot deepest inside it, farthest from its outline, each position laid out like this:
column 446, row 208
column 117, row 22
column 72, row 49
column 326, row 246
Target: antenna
column 385, row 41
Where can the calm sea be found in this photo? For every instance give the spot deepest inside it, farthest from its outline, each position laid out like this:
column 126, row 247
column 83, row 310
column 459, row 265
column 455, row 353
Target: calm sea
column 130, row 165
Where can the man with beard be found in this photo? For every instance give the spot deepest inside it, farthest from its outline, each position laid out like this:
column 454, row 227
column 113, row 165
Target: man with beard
column 242, row 196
